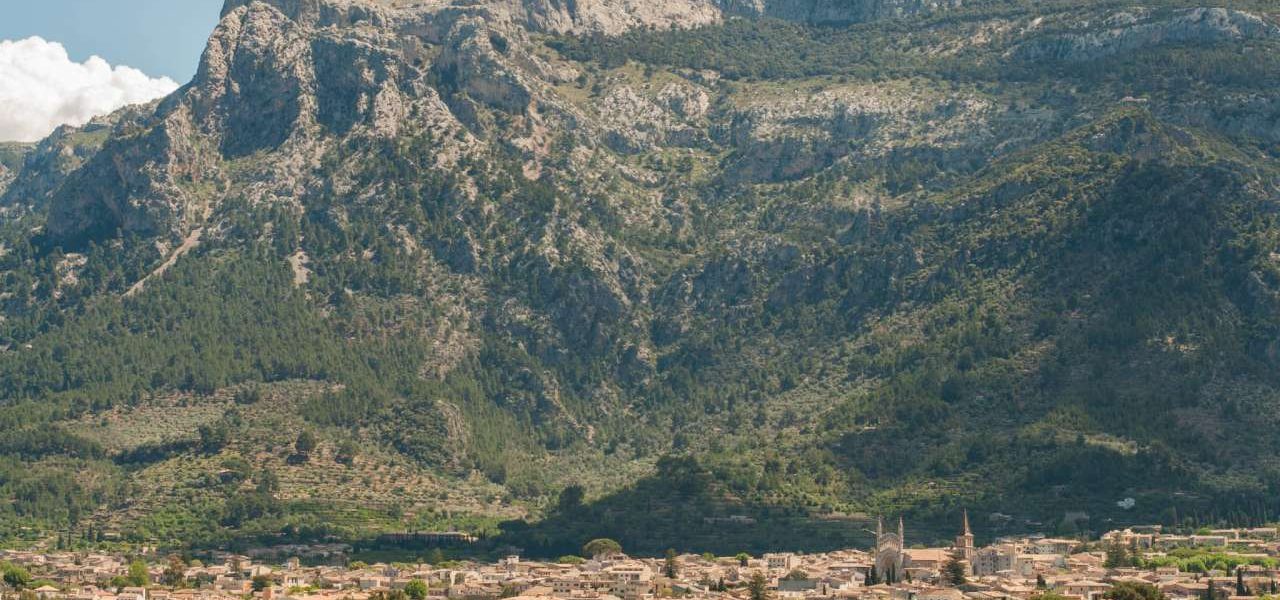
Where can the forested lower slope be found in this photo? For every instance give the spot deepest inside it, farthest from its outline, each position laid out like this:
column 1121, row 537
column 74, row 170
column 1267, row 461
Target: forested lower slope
column 386, row 269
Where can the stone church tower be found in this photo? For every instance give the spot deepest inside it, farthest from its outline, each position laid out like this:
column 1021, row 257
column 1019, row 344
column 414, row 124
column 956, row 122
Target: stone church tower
column 964, row 549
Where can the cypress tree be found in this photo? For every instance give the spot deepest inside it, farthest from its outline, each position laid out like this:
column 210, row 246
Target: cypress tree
column 758, row 587
column 954, row 572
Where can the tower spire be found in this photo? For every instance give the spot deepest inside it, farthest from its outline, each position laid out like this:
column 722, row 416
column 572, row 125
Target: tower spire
column 964, row 542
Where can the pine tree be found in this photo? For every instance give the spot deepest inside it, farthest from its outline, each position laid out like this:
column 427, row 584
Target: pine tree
column 1116, row 556
column 953, row 571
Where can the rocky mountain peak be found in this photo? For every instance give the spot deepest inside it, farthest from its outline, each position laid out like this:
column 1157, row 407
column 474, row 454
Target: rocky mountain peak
column 610, row 17
column 489, row 246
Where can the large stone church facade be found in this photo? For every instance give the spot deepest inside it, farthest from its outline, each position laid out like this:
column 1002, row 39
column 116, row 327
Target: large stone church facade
column 890, row 558
column 889, row 555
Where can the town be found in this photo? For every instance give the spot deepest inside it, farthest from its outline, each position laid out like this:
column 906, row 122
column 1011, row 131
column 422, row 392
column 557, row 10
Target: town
column 1138, row 563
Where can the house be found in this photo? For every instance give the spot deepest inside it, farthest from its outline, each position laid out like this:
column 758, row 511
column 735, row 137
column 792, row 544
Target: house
column 1184, row 589
column 631, row 590
column 132, row 593
column 1030, row 565
column 1210, row 540
column 297, row 579
column 781, row 561
column 940, row 594
column 1262, row 533
column 473, row 591
column 1054, row 546
column 802, row 587
column 994, row 559
column 1086, row 589
column 629, row 571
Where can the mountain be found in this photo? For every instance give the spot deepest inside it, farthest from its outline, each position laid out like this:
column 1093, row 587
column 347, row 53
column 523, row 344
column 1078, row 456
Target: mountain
column 403, row 266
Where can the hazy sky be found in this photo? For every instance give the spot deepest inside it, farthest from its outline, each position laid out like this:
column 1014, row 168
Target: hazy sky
column 159, row 37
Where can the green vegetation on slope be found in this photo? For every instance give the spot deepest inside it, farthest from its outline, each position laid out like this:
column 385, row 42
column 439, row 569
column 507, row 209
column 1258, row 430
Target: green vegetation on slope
column 1045, row 324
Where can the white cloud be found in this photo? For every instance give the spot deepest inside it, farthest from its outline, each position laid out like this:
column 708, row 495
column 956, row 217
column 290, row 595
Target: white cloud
column 42, row 88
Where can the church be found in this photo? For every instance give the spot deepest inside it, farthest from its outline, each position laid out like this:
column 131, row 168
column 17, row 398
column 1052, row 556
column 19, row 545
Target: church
column 892, row 559
column 888, row 555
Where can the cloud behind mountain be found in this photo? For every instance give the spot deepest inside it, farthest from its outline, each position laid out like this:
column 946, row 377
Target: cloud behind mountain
column 41, row 88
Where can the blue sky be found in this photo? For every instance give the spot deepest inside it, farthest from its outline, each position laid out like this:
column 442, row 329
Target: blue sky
column 160, row 37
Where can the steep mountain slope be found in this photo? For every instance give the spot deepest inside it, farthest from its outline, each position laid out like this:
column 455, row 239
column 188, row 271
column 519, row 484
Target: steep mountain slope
column 804, row 266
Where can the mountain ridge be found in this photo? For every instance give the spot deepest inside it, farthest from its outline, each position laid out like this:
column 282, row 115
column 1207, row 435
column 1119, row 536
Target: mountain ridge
column 1017, row 259
column 610, row 17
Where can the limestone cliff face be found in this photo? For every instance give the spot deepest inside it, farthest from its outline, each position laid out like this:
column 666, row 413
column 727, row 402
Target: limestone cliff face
column 290, row 78
column 35, row 174
column 552, row 16
column 285, row 85
column 610, row 17
column 143, row 181
column 267, row 83
column 283, row 82
column 1131, row 30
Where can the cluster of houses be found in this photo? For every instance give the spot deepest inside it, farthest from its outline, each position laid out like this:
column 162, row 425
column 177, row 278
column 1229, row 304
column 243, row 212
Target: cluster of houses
column 1259, row 540
column 1009, row 569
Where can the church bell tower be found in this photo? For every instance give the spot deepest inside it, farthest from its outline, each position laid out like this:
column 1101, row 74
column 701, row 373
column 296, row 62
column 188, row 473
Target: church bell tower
column 964, row 541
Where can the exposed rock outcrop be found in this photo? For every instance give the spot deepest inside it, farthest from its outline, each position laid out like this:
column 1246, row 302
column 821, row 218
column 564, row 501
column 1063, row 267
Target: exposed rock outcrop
column 609, row 17
column 1132, row 30
column 142, row 183
column 266, row 83
column 778, row 141
column 37, row 172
